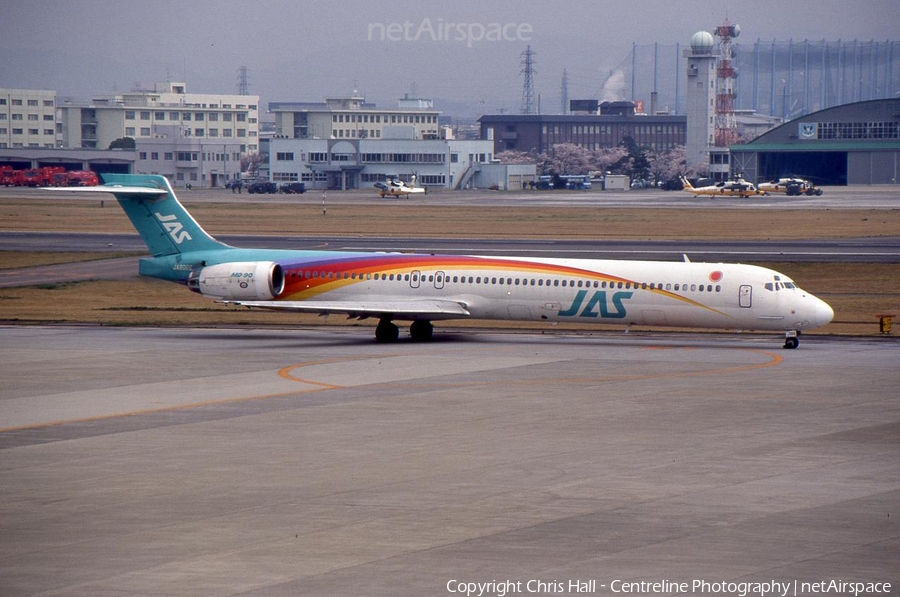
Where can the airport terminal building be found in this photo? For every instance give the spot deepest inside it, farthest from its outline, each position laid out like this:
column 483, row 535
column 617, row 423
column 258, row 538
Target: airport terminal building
column 359, row 163
column 851, row 144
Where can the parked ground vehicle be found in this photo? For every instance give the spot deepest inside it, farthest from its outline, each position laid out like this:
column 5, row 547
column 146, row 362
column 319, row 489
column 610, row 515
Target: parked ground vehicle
column 46, row 176
column 293, row 188
column 261, row 187
column 82, row 178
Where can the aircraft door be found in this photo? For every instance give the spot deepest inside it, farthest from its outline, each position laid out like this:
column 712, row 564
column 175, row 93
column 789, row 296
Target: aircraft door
column 439, row 280
column 414, row 278
column 745, row 296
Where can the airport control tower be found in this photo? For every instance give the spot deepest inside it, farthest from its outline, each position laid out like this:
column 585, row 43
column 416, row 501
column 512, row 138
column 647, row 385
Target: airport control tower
column 701, row 98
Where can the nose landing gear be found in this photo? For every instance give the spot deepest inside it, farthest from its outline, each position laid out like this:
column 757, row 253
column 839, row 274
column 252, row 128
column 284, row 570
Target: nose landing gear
column 791, row 339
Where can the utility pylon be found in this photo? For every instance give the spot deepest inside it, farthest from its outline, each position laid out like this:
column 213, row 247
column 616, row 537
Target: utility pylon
column 528, row 87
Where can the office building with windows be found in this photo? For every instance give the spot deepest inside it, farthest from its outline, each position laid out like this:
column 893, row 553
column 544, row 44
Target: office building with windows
column 353, row 118
column 537, row 133
column 27, row 118
column 362, row 162
column 141, row 114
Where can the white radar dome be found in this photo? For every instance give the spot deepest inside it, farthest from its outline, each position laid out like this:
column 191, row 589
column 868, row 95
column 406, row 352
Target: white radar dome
column 702, row 41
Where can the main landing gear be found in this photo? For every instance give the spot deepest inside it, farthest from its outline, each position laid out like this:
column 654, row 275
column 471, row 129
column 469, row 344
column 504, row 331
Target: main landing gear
column 791, row 339
column 387, row 331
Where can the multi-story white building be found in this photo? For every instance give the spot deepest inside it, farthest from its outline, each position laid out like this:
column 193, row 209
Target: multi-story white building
column 27, row 118
column 189, row 160
column 360, row 163
column 353, row 118
column 139, row 115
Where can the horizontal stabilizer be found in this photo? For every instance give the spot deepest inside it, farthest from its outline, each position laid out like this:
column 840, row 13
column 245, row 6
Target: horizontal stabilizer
column 113, row 188
column 150, row 203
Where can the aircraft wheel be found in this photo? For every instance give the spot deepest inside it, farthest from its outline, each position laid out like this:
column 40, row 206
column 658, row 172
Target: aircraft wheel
column 791, row 342
column 386, row 332
column 421, row 330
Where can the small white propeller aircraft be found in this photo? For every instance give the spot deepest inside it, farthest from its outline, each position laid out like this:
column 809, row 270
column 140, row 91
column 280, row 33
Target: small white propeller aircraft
column 737, row 187
column 397, row 188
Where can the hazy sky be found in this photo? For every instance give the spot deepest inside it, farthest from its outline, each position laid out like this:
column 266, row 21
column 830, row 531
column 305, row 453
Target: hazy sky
column 464, row 52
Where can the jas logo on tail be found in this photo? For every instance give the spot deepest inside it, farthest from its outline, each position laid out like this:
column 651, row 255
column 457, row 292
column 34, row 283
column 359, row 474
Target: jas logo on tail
column 173, row 227
column 597, row 305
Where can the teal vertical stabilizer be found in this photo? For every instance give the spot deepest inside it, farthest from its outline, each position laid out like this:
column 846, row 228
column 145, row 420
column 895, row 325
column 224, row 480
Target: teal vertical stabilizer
column 166, row 227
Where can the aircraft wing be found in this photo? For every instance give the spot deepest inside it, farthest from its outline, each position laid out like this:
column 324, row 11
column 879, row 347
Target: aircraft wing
column 400, row 309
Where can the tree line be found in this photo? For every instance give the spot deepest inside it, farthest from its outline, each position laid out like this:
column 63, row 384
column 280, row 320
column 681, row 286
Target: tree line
column 639, row 163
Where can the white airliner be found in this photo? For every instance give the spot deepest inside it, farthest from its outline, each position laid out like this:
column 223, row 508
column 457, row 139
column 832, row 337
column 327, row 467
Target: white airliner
column 422, row 288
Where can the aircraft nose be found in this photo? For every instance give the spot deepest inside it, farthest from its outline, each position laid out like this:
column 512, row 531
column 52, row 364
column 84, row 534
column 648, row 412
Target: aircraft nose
column 823, row 313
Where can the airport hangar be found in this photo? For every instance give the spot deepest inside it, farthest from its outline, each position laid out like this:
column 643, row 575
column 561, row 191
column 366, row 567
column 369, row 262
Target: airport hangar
column 850, row 144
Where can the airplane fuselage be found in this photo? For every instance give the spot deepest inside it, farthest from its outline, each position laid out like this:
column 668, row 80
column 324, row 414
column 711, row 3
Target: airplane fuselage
column 425, row 287
column 652, row 293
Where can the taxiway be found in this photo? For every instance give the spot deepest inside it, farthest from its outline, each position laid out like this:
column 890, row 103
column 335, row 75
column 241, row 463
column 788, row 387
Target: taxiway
column 137, row 461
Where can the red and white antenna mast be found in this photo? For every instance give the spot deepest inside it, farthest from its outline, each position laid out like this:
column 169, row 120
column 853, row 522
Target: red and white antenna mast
column 726, row 125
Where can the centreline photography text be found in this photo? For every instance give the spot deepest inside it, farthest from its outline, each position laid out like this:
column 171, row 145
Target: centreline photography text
column 788, row 588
